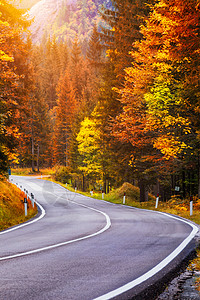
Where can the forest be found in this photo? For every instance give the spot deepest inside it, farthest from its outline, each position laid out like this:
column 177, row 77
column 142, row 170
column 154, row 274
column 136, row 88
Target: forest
column 123, row 107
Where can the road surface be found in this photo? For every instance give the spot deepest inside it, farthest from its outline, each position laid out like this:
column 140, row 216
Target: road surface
column 83, row 248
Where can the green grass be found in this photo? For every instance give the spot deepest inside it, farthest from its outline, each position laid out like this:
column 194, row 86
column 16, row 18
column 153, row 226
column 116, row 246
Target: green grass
column 11, row 205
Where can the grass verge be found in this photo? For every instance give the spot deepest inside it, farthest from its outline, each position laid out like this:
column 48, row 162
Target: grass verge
column 12, row 207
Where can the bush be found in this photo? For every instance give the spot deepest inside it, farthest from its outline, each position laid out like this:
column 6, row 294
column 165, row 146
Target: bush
column 62, row 174
column 132, row 192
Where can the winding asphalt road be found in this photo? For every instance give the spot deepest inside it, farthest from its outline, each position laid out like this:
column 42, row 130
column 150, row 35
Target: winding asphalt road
column 83, row 248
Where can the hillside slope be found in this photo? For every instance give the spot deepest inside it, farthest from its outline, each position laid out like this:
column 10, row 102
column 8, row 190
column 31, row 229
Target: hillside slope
column 44, row 13
column 11, row 205
column 27, row 4
column 65, row 19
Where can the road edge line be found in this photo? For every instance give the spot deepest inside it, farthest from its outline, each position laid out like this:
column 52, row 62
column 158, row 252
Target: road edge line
column 158, row 267
column 43, row 213
column 106, row 227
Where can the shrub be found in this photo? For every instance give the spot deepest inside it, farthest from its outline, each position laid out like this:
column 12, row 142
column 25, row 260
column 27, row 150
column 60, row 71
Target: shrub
column 132, row 192
column 62, row 174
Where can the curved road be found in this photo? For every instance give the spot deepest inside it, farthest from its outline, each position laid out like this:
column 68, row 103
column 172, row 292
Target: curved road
column 82, row 248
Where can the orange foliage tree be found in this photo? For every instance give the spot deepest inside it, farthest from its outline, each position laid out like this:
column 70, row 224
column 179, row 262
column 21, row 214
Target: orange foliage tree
column 12, row 28
column 65, row 113
column 161, row 101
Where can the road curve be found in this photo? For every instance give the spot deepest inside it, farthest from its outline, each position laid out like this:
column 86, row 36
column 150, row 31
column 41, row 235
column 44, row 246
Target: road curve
column 83, row 248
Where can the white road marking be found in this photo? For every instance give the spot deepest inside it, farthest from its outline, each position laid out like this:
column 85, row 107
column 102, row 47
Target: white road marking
column 106, row 227
column 131, row 284
column 157, row 268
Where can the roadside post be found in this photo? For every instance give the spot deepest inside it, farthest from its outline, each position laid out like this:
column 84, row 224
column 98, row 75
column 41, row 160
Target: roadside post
column 75, row 188
column 32, row 200
column 9, row 173
column 102, row 195
column 91, row 192
column 25, row 206
column 157, row 199
column 124, row 198
column 191, row 206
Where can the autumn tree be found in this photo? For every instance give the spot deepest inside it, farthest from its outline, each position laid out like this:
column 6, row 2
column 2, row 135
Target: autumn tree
column 12, row 28
column 89, row 149
column 54, row 63
column 65, row 114
column 94, row 149
column 173, row 100
column 100, row 159
column 38, row 116
column 155, row 97
column 95, row 53
column 124, row 19
column 77, row 96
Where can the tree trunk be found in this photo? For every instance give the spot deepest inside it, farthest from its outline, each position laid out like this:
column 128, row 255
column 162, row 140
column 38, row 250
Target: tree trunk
column 143, row 191
column 198, row 175
column 183, row 184
column 189, row 184
column 66, row 156
column 83, row 183
column 158, row 187
column 104, row 185
column 108, row 187
column 33, row 154
column 173, row 184
column 193, row 184
column 38, row 156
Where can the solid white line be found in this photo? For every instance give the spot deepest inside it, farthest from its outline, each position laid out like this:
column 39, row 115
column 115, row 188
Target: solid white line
column 131, row 284
column 157, row 268
column 27, row 223
column 107, row 226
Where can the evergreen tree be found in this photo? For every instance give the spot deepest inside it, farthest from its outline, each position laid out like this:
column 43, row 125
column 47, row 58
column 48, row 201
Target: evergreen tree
column 124, row 21
column 155, row 111
column 65, row 113
column 12, row 28
column 95, row 50
column 34, row 116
